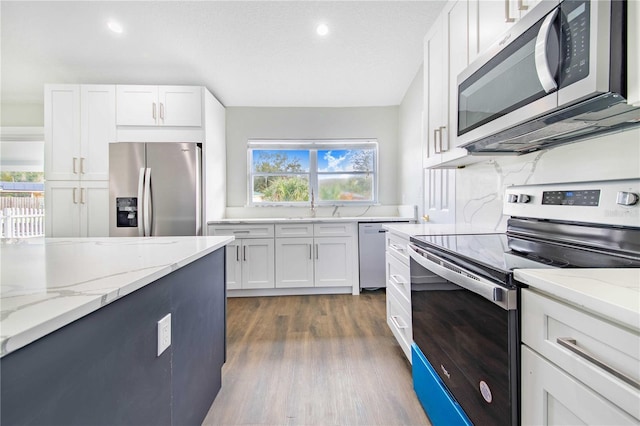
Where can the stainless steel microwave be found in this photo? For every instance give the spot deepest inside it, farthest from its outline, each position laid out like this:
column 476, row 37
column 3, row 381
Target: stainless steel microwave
column 557, row 76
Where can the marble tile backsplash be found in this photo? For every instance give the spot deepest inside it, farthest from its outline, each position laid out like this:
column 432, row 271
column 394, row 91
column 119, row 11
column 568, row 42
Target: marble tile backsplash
column 480, row 187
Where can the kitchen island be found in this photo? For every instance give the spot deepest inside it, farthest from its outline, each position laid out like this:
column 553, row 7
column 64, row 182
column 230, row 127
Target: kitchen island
column 79, row 327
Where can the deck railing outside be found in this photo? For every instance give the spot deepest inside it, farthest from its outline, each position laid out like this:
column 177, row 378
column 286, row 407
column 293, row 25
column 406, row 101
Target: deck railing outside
column 18, row 222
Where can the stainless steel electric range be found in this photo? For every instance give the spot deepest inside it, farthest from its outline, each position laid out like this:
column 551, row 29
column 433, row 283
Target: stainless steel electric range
column 465, row 300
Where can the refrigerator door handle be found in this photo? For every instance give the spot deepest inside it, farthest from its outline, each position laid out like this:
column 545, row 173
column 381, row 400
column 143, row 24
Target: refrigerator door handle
column 140, row 203
column 148, row 214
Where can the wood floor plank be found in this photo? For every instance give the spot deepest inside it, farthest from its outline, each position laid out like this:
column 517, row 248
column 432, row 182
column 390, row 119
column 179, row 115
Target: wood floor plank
column 314, row 360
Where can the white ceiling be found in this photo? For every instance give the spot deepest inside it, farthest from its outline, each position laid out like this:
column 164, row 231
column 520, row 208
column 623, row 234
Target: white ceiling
column 247, row 53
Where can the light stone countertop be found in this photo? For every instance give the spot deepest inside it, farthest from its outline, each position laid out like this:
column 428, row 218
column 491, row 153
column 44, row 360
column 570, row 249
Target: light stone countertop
column 301, row 219
column 409, row 230
column 46, row 284
column 611, row 293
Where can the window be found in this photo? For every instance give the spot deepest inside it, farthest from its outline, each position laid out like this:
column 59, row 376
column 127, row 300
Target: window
column 333, row 172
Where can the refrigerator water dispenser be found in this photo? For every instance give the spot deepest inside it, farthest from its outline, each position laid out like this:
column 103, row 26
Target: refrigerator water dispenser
column 127, row 212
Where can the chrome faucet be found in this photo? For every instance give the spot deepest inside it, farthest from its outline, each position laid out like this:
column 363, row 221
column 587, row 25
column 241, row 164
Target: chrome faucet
column 313, row 205
column 335, row 210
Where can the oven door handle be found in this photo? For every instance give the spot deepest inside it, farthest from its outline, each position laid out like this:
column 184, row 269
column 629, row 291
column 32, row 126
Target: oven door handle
column 497, row 294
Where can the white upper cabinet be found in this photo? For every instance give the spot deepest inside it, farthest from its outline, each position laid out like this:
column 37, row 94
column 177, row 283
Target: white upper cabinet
column 79, row 124
column 488, row 19
column 633, row 56
column 140, row 105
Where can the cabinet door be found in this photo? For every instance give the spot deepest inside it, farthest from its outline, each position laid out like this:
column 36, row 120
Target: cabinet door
column 62, row 200
column 98, row 128
column 494, row 18
column 94, row 209
column 458, row 60
column 550, row 396
column 258, row 263
column 435, row 87
column 234, row 265
column 180, row 105
column 62, row 132
column 334, row 258
column 137, row 105
column 294, row 262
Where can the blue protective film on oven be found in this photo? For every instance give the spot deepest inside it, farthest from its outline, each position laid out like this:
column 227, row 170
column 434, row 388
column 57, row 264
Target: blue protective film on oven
column 439, row 405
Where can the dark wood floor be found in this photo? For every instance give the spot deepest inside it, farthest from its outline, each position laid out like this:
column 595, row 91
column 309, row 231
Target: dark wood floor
column 314, row 360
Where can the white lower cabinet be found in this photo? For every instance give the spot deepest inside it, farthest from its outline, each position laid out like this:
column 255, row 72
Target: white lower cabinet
column 550, row 396
column 334, row 261
column 250, row 264
column 294, row 262
column 572, row 364
column 77, row 209
column 307, row 260
column 399, row 291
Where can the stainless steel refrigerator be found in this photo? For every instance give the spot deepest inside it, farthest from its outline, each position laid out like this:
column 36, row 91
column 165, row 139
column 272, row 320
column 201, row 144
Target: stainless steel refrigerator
column 155, row 189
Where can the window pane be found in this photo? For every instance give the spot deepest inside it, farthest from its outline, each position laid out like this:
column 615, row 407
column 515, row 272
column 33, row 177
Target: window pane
column 334, row 187
column 346, row 160
column 278, row 189
column 280, row 161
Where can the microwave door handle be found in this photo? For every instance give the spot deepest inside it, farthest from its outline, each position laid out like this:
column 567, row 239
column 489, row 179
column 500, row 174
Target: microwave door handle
column 542, row 64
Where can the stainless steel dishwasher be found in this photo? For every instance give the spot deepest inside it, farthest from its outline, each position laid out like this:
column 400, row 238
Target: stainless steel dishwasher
column 371, row 243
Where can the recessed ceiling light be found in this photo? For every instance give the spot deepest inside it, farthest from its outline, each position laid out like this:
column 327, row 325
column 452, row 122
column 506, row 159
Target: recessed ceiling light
column 115, row 27
column 322, row 30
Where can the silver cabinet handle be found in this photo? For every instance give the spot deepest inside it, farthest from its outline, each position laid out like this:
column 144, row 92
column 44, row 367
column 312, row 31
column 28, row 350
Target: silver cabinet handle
column 82, row 191
column 153, row 110
column 244, row 253
column 317, row 251
column 75, row 197
column 396, row 247
column 161, row 111
column 75, row 168
column 572, row 345
column 310, row 252
column 395, row 279
column 82, row 165
column 435, row 141
column 442, row 129
column 545, row 75
column 241, row 232
column 522, row 6
column 394, row 318
column 237, row 253
column 507, row 12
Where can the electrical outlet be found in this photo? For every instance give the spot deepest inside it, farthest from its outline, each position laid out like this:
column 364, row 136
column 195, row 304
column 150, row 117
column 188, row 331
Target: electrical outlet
column 164, row 334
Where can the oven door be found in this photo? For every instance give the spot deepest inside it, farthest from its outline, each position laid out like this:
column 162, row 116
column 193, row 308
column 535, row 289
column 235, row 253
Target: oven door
column 465, row 329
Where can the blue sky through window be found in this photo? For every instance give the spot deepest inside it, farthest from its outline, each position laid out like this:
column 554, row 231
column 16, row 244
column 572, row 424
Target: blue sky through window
column 301, row 155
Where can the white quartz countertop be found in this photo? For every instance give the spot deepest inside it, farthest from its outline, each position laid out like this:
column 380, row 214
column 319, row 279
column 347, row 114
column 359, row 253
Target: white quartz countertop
column 322, row 219
column 46, row 284
column 610, row 293
column 409, row 230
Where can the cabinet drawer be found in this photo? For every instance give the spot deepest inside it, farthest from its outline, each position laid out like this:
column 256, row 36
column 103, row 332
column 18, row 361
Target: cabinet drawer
column 399, row 280
column 397, row 246
column 399, row 321
column 341, row 229
column 295, row 230
column 547, row 323
column 243, row 231
column 550, row 396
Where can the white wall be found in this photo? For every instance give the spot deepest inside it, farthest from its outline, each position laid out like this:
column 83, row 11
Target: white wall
column 22, row 114
column 244, row 123
column 410, row 154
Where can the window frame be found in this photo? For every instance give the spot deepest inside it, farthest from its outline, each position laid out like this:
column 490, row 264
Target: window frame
column 313, row 146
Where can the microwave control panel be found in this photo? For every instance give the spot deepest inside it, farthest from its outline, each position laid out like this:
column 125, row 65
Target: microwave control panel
column 575, row 21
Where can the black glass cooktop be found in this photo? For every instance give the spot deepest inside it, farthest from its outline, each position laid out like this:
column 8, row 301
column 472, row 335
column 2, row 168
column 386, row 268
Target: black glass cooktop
column 496, row 255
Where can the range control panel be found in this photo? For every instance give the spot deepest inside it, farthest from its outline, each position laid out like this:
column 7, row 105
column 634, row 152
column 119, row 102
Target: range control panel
column 612, row 202
column 590, row 197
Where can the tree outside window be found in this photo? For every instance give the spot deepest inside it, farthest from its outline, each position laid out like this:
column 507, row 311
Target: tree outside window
column 335, row 172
